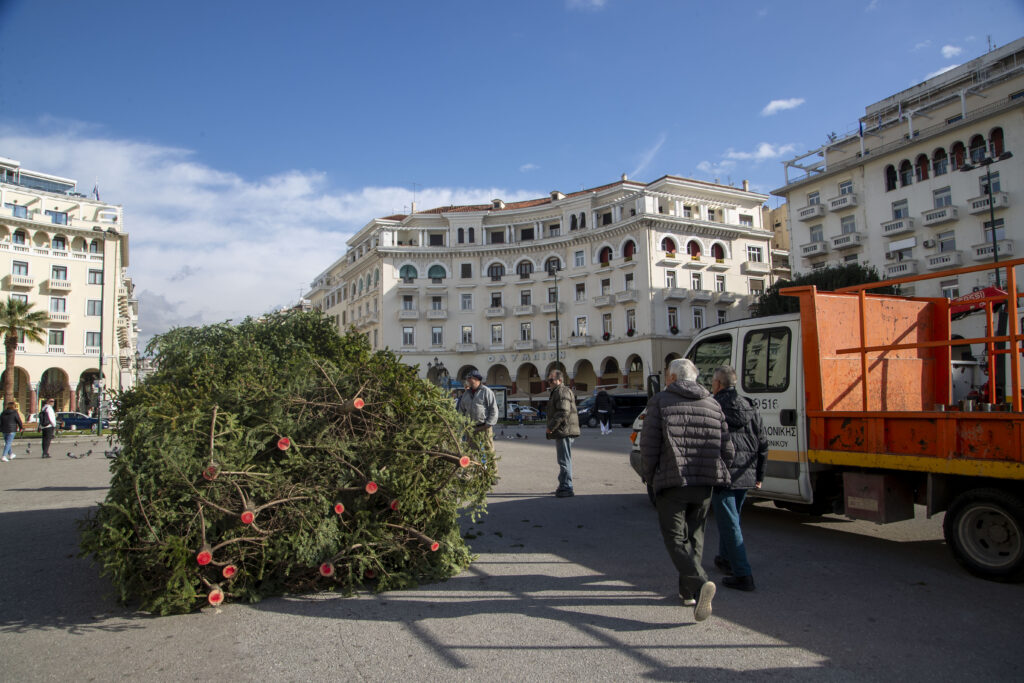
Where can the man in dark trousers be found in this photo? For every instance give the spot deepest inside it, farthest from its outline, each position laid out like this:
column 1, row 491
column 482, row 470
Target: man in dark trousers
column 686, row 451
column 47, row 425
column 746, row 472
column 605, row 406
column 563, row 427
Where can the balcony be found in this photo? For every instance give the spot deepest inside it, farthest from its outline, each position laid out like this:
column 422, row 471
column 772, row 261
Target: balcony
column 437, row 314
column 727, row 298
column 495, row 312
column 809, row 213
column 551, row 306
column 92, row 350
column 496, row 281
column 581, row 340
column 842, row 202
column 755, row 268
column 58, row 285
column 674, row 294
column 699, row 295
column 1000, row 200
column 944, row 260
column 668, row 259
column 901, row 268
column 694, row 262
column 718, row 264
column 525, row 345
column 626, row 295
column 408, row 314
column 939, row 216
column 847, row 240
column 55, row 349
column 22, row 281
column 898, row 226
column 62, row 318
column 406, row 284
column 983, row 252
column 525, row 309
column 467, row 347
column 814, row 248
column 603, row 301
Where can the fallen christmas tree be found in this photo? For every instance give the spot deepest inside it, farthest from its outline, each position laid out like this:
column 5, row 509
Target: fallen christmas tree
column 276, row 457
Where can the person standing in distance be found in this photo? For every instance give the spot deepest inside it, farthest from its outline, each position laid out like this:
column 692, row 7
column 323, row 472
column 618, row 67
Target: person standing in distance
column 746, row 472
column 47, row 425
column 686, row 451
column 563, row 427
column 604, row 404
column 10, row 422
column 479, row 405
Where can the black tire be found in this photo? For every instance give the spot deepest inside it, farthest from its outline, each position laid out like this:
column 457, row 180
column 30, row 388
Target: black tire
column 592, row 421
column 650, row 495
column 984, row 529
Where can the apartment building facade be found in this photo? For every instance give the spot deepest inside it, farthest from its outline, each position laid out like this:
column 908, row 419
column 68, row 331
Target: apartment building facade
column 612, row 281
column 68, row 255
column 908, row 191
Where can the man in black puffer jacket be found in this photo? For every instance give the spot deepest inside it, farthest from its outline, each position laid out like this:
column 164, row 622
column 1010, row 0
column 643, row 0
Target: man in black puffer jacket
column 746, row 472
column 686, row 450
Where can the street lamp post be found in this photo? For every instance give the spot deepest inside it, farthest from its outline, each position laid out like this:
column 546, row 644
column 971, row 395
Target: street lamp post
column 440, row 372
column 103, row 300
column 553, row 272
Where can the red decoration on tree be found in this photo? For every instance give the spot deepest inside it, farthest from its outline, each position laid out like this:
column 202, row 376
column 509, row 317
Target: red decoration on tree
column 371, row 487
column 204, row 556
column 327, row 569
column 434, row 547
column 358, row 404
column 211, row 471
column 229, row 571
column 339, row 508
column 370, row 574
column 394, row 504
column 248, row 516
column 464, row 461
column 283, row 443
column 215, row 596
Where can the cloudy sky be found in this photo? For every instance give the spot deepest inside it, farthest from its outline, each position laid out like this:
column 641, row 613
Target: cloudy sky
column 248, row 140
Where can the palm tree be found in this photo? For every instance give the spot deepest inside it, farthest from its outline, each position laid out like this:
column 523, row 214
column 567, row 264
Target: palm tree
column 16, row 319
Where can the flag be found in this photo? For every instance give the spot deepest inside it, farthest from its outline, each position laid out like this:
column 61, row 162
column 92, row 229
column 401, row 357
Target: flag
column 860, row 125
column 96, row 190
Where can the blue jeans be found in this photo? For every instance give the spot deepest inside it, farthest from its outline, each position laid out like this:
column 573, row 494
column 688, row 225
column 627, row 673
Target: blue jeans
column 563, row 451
column 8, row 444
column 728, row 504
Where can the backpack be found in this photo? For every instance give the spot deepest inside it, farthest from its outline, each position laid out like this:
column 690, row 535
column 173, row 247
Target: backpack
column 44, row 419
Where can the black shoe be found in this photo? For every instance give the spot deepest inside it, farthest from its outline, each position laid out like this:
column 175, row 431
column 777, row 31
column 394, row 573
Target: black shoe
column 723, row 564
column 564, row 493
column 46, row 455
column 742, row 583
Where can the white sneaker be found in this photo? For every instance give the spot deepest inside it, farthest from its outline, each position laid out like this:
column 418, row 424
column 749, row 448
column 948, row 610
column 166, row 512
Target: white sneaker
column 13, row 456
column 703, row 608
column 5, row 459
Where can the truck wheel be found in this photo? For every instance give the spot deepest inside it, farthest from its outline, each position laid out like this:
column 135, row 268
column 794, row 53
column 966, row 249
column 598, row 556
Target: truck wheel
column 984, row 529
column 592, row 421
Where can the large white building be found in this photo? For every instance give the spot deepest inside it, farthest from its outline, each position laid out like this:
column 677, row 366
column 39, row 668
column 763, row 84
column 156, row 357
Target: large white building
column 640, row 268
column 68, row 255
column 907, row 192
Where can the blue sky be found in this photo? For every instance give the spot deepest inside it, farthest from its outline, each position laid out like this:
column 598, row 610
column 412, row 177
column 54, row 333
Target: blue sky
column 248, row 140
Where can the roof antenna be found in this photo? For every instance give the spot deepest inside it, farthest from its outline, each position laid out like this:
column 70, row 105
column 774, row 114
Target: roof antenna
column 414, row 186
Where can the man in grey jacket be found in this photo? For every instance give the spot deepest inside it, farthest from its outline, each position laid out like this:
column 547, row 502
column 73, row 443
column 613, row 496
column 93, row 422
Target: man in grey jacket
column 686, row 451
column 479, row 405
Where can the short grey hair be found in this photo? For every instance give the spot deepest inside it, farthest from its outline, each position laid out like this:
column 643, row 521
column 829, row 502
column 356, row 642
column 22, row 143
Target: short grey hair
column 684, row 369
column 726, row 376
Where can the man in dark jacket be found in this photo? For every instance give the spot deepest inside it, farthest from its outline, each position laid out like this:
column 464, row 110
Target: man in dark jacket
column 563, row 427
column 686, row 450
column 746, row 472
column 604, row 404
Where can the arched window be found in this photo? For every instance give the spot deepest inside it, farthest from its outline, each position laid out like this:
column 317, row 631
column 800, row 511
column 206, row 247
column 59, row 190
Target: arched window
column 717, row 252
column 906, row 173
column 574, row 223
column 668, row 245
column 436, row 273
column 693, row 249
column 360, row 285
column 407, row 273
column 94, row 246
column 353, row 290
column 959, row 154
column 583, row 221
column 978, row 147
column 472, row 235
column 940, row 162
column 605, row 255
column 461, row 235
column 525, row 269
column 376, row 277
column 628, row 249
column 496, row 271
column 553, row 263
column 921, row 167
column 890, row 178
column 995, row 142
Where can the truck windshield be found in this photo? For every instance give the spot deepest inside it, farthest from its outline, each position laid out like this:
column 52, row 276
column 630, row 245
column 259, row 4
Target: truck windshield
column 709, row 354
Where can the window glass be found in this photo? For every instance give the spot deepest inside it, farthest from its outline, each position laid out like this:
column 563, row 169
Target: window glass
column 766, row 360
column 710, row 354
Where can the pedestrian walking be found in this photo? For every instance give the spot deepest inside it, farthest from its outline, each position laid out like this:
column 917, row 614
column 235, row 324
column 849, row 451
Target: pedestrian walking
column 563, row 426
column 479, row 405
column 10, row 424
column 47, row 425
column 686, row 451
column 605, row 406
column 746, row 471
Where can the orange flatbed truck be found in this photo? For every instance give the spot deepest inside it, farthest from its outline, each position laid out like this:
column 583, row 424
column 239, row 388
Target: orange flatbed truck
column 856, row 393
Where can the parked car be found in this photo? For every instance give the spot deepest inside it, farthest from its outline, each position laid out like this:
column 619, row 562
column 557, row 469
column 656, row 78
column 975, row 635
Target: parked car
column 627, row 407
column 79, row 421
column 528, row 412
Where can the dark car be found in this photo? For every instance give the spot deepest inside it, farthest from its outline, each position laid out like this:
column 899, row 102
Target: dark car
column 79, row 421
column 627, row 407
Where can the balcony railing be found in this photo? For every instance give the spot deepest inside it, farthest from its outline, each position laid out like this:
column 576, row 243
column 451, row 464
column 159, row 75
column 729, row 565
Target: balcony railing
column 811, row 212
column 467, row 347
column 718, row 264
column 525, row 345
column 60, row 317
column 525, row 309
column 898, row 226
column 581, row 340
column 603, row 300
column 626, row 295
column 944, row 260
column 847, row 240
column 58, row 285
column 668, row 258
column 701, row 295
column 55, row 349
column 901, row 268
column 842, row 202
column 408, row 314
column 755, row 268
column 674, row 294
column 23, row 281
column 694, row 262
column 550, row 307
column 814, row 248
column 1000, row 200
column 942, row 215
column 983, row 252
column 437, row 314
column 727, row 298
column 495, row 312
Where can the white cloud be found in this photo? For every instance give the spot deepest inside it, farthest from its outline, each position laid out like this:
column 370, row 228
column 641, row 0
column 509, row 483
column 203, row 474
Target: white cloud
column 648, row 156
column 716, row 170
column 922, row 45
column 764, row 150
column 939, row 72
column 950, row 51
column 528, row 167
column 775, row 106
column 585, row 4
column 207, row 244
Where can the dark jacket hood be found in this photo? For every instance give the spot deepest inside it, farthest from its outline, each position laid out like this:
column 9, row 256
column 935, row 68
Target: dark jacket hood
column 688, row 389
column 738, row 411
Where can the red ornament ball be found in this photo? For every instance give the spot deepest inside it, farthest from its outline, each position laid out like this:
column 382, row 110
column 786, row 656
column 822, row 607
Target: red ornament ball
column 204, row 558
column 394, row 504
column 229, row 571
column 358, row 404
column 464, row 461
column 327, row 569
column 248, row 517
column 339, row 508
column 283, row 443
column 211, row 472
column 435, row 546
column 371, row 487
column 370, row 574
column 215, row 597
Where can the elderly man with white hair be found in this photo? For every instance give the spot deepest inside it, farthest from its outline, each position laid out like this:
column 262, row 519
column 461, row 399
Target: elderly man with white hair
column 686, row 452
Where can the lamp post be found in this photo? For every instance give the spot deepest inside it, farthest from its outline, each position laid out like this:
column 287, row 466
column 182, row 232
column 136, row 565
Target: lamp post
column 553, row 272
column 103, row 289
column 440, row 372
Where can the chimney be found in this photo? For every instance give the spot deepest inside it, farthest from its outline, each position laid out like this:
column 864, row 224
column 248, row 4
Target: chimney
column 625, row 177
column 413, row 208
column 746, row 186
column 556, row 195
column 497, row 204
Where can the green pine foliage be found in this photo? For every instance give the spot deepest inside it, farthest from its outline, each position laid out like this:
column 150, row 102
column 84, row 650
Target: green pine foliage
column 249, row 469
column 826, row 279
